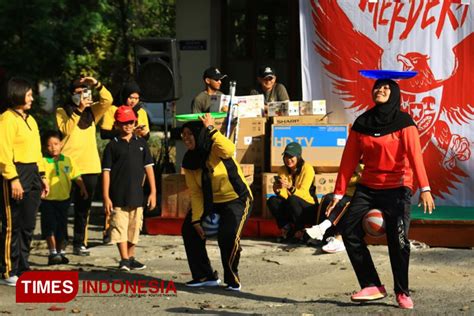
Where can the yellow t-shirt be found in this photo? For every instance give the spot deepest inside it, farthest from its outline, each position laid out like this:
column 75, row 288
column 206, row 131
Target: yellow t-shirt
column 302, row 184
column 226, row 176
column 60, row 174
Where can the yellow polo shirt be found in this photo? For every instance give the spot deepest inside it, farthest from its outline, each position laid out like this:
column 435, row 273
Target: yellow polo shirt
column 60, row 174
column 19, row 143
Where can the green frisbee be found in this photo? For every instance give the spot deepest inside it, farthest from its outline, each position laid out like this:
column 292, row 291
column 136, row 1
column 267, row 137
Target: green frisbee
column 195, row 116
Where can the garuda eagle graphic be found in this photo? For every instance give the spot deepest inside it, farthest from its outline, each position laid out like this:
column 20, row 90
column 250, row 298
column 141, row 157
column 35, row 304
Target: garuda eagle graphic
column 431, row 102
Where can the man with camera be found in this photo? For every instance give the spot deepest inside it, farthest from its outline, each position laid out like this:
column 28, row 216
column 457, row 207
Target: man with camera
column 77, row 121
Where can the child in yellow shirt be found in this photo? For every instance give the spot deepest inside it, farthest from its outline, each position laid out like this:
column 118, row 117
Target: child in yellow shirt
column 60, row 171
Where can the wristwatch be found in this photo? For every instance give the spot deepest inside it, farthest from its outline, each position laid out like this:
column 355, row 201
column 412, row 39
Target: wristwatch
column 210, row 128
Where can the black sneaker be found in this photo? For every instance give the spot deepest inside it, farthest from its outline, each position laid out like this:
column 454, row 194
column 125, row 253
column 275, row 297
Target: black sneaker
column 54, row 259
column 64, row 260
column 136, row 265
column 124, row 265
column 209, row 281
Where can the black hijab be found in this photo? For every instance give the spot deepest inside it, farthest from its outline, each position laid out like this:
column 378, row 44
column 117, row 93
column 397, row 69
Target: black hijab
column 197, row 158
column 127, row 89
column 384, row 118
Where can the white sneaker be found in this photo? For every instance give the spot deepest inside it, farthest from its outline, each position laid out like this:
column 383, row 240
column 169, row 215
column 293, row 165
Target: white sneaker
column 315, row 232
column 334, row 245
column 11, row 281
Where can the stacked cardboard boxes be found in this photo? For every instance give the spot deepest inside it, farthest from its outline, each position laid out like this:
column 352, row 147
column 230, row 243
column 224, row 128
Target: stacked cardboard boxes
column 176, row 197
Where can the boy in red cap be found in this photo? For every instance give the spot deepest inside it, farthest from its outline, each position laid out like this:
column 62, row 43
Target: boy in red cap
column 125, row 162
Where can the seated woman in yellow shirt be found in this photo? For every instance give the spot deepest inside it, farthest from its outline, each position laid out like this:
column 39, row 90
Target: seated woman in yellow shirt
column 294, row 205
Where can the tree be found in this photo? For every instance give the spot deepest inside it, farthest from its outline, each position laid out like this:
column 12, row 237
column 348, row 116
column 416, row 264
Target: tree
column 59, row 40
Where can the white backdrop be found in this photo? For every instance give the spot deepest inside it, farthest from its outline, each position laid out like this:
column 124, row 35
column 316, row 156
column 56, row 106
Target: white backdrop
column 338, row 38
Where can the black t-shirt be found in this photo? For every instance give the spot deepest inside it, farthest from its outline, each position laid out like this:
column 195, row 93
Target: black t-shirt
column 126, row 162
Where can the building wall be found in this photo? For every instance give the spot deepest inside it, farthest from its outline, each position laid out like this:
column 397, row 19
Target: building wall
column 194, row 22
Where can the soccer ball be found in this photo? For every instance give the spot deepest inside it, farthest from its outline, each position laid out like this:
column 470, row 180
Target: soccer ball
column 210, row 224
column 373, row 223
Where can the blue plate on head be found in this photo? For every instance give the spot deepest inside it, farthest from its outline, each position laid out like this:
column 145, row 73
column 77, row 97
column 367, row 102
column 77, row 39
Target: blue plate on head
column 387, row 74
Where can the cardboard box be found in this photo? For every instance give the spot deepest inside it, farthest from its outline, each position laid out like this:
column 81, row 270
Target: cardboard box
column 249, row 128
column 300, row 120
column 316, row 107
column 250, row 105
column 268, row 179
column 169, row 195
column 246, row 105
column 284, row 108
column 248, row 171
column 219, row 103
column 251, row 142
column 175, row 196
column 184, row 197
column 324, row 183
column 322, row 144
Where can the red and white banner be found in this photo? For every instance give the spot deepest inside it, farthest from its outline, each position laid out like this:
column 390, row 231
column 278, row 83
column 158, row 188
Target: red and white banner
column 435, row 38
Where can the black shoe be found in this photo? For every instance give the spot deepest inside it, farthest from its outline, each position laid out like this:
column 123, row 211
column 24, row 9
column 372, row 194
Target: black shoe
column 64, row 260
column 136, row 265
column 54, row 259
column 124, row 265
column 209, row 281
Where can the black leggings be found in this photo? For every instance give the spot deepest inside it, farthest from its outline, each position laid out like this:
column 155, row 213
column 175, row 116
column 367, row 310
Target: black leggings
column 82, row 209
column 293, row 210
column 233, row 215
column 395, row 205
column 18, row 220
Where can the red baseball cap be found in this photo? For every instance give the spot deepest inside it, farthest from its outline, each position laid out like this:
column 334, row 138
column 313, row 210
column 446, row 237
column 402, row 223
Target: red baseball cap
column 124, row 114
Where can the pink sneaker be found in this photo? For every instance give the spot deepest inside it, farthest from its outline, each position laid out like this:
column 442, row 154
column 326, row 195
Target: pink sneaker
column 404, row 301
column 370, row 293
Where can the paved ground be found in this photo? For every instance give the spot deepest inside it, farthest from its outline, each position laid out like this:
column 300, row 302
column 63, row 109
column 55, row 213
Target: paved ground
column 277, row 279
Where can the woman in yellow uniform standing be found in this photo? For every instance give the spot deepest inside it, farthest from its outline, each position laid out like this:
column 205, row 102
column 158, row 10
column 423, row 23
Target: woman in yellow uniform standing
column 217, row 186
column 77, row 122
column 22, row 177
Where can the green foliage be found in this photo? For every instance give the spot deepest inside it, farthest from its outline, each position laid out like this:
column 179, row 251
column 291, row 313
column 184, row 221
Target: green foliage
column 46, row 121
column 61, row 40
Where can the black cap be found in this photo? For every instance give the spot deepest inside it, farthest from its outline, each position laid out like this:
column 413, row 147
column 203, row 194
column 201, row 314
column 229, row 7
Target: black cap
column 266, row 71
column 213, row 73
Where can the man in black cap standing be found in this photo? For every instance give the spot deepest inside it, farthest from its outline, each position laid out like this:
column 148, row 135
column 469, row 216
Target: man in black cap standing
column 268, row 86
column 212, row 78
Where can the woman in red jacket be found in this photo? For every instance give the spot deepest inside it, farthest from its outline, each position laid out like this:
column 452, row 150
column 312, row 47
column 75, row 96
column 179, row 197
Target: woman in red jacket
column 387, row 140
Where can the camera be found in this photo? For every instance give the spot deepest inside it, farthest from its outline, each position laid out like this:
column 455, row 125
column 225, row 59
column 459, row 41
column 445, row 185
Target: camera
column 87, row 94
column 277, row 178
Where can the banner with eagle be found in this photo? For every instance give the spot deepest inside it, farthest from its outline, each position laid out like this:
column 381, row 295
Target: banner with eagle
column 434, row 38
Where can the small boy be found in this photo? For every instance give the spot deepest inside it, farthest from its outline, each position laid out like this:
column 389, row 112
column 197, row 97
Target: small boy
column 60, row 171
column 125, row 162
